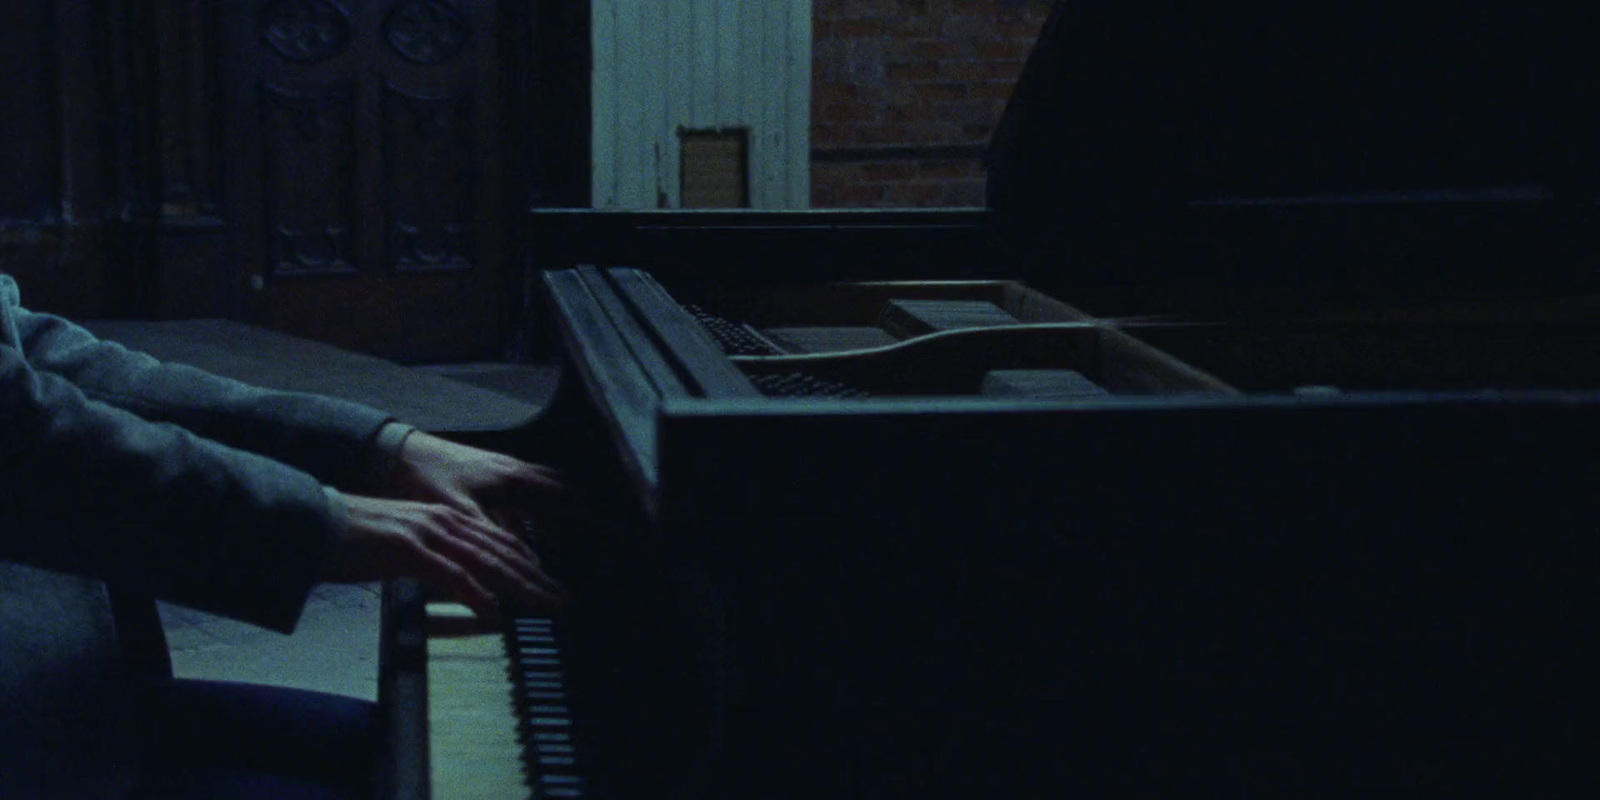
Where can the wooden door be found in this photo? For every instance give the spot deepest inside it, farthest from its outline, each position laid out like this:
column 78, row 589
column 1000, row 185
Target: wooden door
column 366, row 154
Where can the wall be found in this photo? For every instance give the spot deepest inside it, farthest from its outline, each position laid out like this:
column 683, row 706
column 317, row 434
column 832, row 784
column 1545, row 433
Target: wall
column 661, row 66
column 78, row 199
column 906, row 94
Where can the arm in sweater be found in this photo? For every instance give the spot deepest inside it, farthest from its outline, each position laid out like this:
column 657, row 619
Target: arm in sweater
column 344, row 444
column 96, row 490
column 208, row 451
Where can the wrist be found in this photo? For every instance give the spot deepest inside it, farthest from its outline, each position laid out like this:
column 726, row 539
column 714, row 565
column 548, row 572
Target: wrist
column 388, row 452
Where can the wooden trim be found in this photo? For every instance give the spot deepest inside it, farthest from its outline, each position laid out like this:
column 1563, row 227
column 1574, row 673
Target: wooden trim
column 773, row 246
column 690, row 350
column 759, row 218
column 911, row 152
column 611, row 374
column 403, row 769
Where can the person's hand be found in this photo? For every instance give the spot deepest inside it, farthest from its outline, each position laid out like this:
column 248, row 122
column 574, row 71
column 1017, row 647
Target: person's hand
column 480, row 483
column 459, row 555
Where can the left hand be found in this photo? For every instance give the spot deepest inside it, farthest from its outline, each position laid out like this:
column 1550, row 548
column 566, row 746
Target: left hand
column 497, row 488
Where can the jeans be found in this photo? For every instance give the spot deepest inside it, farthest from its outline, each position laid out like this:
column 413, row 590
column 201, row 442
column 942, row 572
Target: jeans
column 221, row 741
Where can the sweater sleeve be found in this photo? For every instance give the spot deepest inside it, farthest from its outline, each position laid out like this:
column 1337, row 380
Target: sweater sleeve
column 348, row 445
column 96, row 490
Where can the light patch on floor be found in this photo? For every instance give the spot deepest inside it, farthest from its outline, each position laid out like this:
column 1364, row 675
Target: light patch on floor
column 333, row 649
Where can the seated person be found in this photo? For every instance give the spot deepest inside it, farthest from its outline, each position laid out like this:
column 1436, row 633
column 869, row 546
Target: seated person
column 164, row 481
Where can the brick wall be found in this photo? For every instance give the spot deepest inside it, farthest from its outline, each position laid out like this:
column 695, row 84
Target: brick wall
column 906, row 93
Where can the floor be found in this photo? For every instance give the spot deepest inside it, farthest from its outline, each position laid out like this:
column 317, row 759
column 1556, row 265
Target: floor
column 334, row 649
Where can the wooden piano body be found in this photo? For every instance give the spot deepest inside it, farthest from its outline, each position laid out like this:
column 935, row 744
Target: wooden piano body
column 1306, row 504
column 1348, row 550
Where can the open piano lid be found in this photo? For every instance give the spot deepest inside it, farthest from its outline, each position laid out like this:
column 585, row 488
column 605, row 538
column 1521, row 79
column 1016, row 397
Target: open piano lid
column 1363, row 145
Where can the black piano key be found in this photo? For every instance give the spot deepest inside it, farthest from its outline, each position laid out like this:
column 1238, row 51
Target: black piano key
column 548, row 727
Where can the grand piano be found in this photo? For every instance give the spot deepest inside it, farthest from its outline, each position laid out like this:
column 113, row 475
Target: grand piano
column 1244, row 445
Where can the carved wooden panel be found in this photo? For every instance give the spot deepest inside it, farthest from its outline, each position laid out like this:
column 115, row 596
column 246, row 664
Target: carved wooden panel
column 272, row 160
column 370, row 200
column 308, row 177
column 306, row 31
column 429, row 181
column 426, row 31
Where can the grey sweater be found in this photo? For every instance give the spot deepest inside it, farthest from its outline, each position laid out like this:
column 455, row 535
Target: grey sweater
column 160, row 478
column 168, row 480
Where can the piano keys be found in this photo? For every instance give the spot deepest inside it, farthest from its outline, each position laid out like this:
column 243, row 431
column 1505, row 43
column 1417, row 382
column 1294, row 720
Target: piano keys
column 500, row 717
column 477, row 742
column 609, row 700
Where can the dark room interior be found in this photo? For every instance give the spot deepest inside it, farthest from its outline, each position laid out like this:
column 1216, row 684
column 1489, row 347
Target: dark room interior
column 800, row 399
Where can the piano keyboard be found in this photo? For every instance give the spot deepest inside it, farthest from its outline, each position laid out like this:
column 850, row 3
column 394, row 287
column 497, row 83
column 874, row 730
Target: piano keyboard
column 499, row 718
column 547, row 726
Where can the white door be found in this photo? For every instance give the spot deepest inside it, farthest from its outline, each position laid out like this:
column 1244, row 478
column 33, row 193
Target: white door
column 710, row 77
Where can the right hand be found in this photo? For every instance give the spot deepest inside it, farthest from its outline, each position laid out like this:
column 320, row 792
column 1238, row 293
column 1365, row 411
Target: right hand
column 463, row 557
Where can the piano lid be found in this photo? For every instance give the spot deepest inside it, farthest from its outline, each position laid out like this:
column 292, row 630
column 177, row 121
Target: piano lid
column 1136, row 123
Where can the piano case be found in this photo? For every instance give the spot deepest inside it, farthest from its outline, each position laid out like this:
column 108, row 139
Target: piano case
column 1313, row 514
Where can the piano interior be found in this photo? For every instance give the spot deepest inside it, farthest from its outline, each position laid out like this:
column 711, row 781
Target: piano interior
column 1003, row 339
